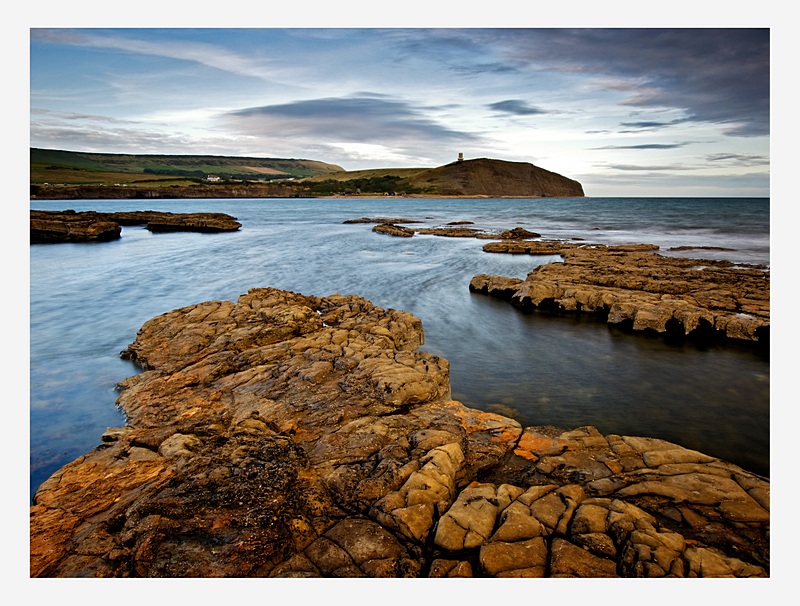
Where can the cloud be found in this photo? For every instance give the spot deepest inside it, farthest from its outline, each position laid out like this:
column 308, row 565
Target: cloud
column 643, row 146
column 653, row 168
column 516, row 107
column 739, row 159
column 650, row 125
column 362, row 119
column 76, row 116
column 203, row 53
column 719, row 76
column 734, row 184
column 708, row 163
column 466, row 52
column 85, row 132
column 121, row 140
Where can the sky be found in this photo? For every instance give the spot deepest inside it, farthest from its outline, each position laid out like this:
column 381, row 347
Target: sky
column 626, row 111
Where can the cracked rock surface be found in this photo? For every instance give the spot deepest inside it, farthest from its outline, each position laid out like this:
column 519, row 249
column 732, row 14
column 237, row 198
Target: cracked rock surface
column 295, row 436
column 634, row 287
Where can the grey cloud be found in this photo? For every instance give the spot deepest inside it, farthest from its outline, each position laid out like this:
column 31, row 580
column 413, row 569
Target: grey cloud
column 682, row 167
column 476, row 69
column 363, row 119
column 739, row 159
column 645, row 124
column 650, row 125
column 632, row 167
column 643, row 146
column 121, row 140
column 736, row 183
column 464, row 51
column 516, row 107
column 720, row 76
column 75, row 116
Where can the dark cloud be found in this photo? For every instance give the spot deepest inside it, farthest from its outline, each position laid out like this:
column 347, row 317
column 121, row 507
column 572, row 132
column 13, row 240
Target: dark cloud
column 735, row 161
column 720, row 76
column 465, row 52
column 646, row 124
column 644, row 146
column 516, row 107
column 652, row 168
column 739, row 159
column 649, row 125
column 363, row 119
column 75, row 116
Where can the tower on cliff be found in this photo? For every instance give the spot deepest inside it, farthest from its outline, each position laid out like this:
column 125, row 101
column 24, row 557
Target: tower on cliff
column 460, row 157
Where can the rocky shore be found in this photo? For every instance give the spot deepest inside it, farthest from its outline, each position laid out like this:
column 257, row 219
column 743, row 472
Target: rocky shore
column 90, row 226
column 295, row 436
column 632, row 286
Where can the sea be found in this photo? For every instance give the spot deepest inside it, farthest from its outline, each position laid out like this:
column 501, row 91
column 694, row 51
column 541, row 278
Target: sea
column 87, row 302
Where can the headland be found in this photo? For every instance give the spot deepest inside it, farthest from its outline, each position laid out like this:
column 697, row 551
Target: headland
column 64, row 175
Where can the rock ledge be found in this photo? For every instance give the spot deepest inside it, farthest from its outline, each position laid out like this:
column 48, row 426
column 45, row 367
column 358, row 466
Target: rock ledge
column 91, row 226
column 634, row 287
column 294, row 436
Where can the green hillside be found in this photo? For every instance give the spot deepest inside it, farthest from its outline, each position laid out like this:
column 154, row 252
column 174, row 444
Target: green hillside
column 68, row 167
column 368, row 173
column 477, row 177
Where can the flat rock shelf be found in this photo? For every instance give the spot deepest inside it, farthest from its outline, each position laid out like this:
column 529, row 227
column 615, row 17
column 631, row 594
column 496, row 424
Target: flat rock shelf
column 296, row 436
column 50, row 227
column 634, row 287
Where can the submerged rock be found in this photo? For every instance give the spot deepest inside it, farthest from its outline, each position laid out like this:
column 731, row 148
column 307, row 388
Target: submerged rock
column 454, row 229
column 294, row 436
column 379, row 220
column 390, row 229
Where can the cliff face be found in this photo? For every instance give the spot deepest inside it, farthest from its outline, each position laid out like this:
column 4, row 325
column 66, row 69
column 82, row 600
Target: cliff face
column 142, row 192
column 497, row 178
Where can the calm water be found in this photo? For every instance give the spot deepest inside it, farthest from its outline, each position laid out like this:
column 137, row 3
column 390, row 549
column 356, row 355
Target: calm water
column 88, row 300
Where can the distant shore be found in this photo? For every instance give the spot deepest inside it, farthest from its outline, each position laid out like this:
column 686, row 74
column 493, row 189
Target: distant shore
column 70, row 192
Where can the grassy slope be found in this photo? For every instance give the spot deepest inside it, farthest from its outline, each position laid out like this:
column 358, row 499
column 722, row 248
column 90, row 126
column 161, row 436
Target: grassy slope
column 58, row 166
column 348, row 175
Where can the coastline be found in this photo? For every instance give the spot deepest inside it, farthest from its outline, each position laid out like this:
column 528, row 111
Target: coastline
column 111, row 193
